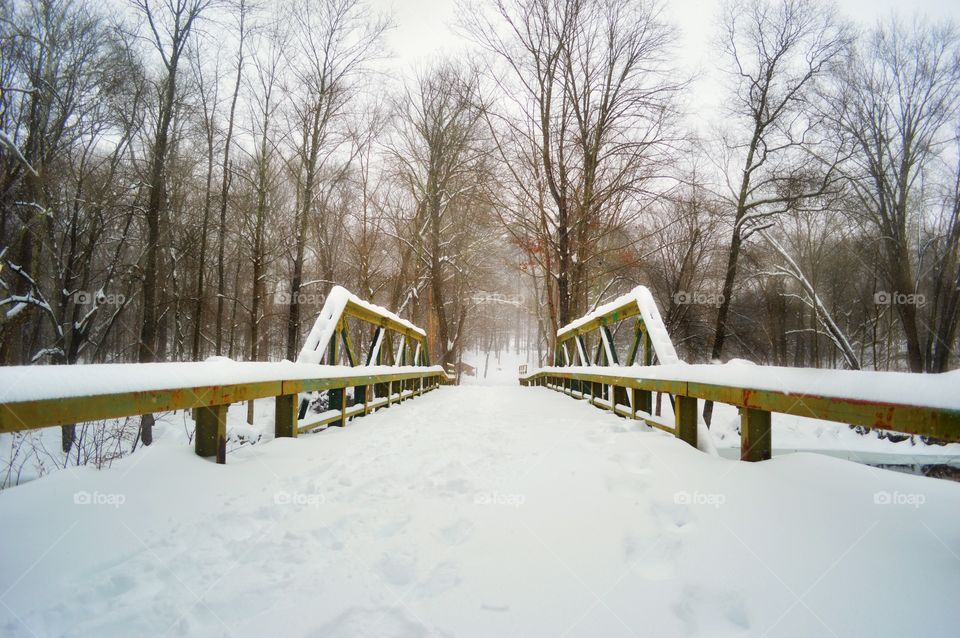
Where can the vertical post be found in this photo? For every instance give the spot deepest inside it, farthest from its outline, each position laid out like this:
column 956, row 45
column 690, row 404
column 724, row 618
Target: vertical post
column 619, row 397
column 366, row 400
column 643, row 401
column 685, row 414
column 337, row 398
column 285, row 416
column 210, row 438
column 334, row 347
column 755, row 436
column 389, row 393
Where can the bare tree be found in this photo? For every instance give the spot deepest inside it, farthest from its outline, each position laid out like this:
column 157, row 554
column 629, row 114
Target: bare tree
column 593, row 76
column 442, row 160
column 777, row 50
column 897, row 98
column 243, row 11
column 337, row 39
column 169, row 23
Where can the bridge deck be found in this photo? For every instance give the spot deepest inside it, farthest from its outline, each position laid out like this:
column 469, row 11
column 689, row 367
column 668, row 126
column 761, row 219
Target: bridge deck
column 478, row 511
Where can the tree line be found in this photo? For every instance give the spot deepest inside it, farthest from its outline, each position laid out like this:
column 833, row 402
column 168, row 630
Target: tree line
column 187, row 178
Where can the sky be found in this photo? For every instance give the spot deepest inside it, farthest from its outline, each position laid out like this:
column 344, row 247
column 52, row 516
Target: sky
column 427, row 28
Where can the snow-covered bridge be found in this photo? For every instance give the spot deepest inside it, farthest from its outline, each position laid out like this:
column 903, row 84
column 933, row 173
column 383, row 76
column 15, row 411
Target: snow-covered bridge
column 478, row 510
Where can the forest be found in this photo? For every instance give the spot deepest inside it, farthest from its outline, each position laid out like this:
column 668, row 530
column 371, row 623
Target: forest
column 181, row 179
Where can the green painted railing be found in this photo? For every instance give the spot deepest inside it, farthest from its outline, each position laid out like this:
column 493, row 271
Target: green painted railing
column 210, row 402
column 630, row 394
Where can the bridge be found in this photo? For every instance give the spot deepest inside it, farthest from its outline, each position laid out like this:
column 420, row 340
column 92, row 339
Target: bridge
column 479, row 510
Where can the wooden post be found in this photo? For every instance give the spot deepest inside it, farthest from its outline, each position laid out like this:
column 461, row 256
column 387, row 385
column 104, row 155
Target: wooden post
column 285, row 416
column 389, row 393
column 685, row 414
column 250, row 412
column 755, row 436
column 338, row 401
column 210, row 438
column 619, row 397
column 643, row 401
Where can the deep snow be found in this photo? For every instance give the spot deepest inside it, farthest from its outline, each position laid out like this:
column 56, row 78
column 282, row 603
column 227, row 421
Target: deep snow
column 478, row 511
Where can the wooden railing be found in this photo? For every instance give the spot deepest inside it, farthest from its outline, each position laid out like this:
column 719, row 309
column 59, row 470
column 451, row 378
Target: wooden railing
column 210, row 401
column 41, row 396
column 629, row 393
column 927, row 405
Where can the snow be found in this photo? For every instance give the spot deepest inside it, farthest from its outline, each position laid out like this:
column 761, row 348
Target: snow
column 662, row 344
column 31, row 383
column 930, row 390
column 479, row 511
column 315, row 346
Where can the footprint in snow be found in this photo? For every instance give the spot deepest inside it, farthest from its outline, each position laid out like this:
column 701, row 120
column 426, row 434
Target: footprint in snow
column 655, row 558
column 444, row 576
column 719, row 610
column 393, row 526
column 458, row 533
column 626, row 484
column 398, row 569
column 674, row 517
column 359, row 621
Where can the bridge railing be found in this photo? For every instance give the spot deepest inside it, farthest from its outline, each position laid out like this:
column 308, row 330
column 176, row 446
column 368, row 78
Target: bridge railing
column 33, row 397
column 926, row 405
column 817, row 394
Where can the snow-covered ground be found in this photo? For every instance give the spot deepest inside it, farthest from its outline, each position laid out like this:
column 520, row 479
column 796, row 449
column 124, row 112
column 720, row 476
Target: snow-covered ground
column 479, row 511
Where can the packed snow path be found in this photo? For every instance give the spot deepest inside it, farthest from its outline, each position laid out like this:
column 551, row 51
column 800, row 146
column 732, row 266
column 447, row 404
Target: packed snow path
column 479, row 511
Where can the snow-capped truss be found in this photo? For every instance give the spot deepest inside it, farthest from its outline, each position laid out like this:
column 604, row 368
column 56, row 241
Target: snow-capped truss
column 395, row 341
column 651, row 342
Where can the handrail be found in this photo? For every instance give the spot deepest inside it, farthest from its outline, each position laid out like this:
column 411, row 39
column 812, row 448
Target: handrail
column 762, row 390
column 885, row 400
column 41, row 396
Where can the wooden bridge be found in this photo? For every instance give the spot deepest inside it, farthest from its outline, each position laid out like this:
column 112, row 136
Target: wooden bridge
column 394, row 366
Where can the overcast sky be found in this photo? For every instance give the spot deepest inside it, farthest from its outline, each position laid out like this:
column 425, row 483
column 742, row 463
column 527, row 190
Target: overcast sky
column 427, row 28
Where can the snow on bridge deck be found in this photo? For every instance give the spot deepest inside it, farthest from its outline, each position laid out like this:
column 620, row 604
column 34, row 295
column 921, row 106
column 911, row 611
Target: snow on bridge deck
column 479, row 511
